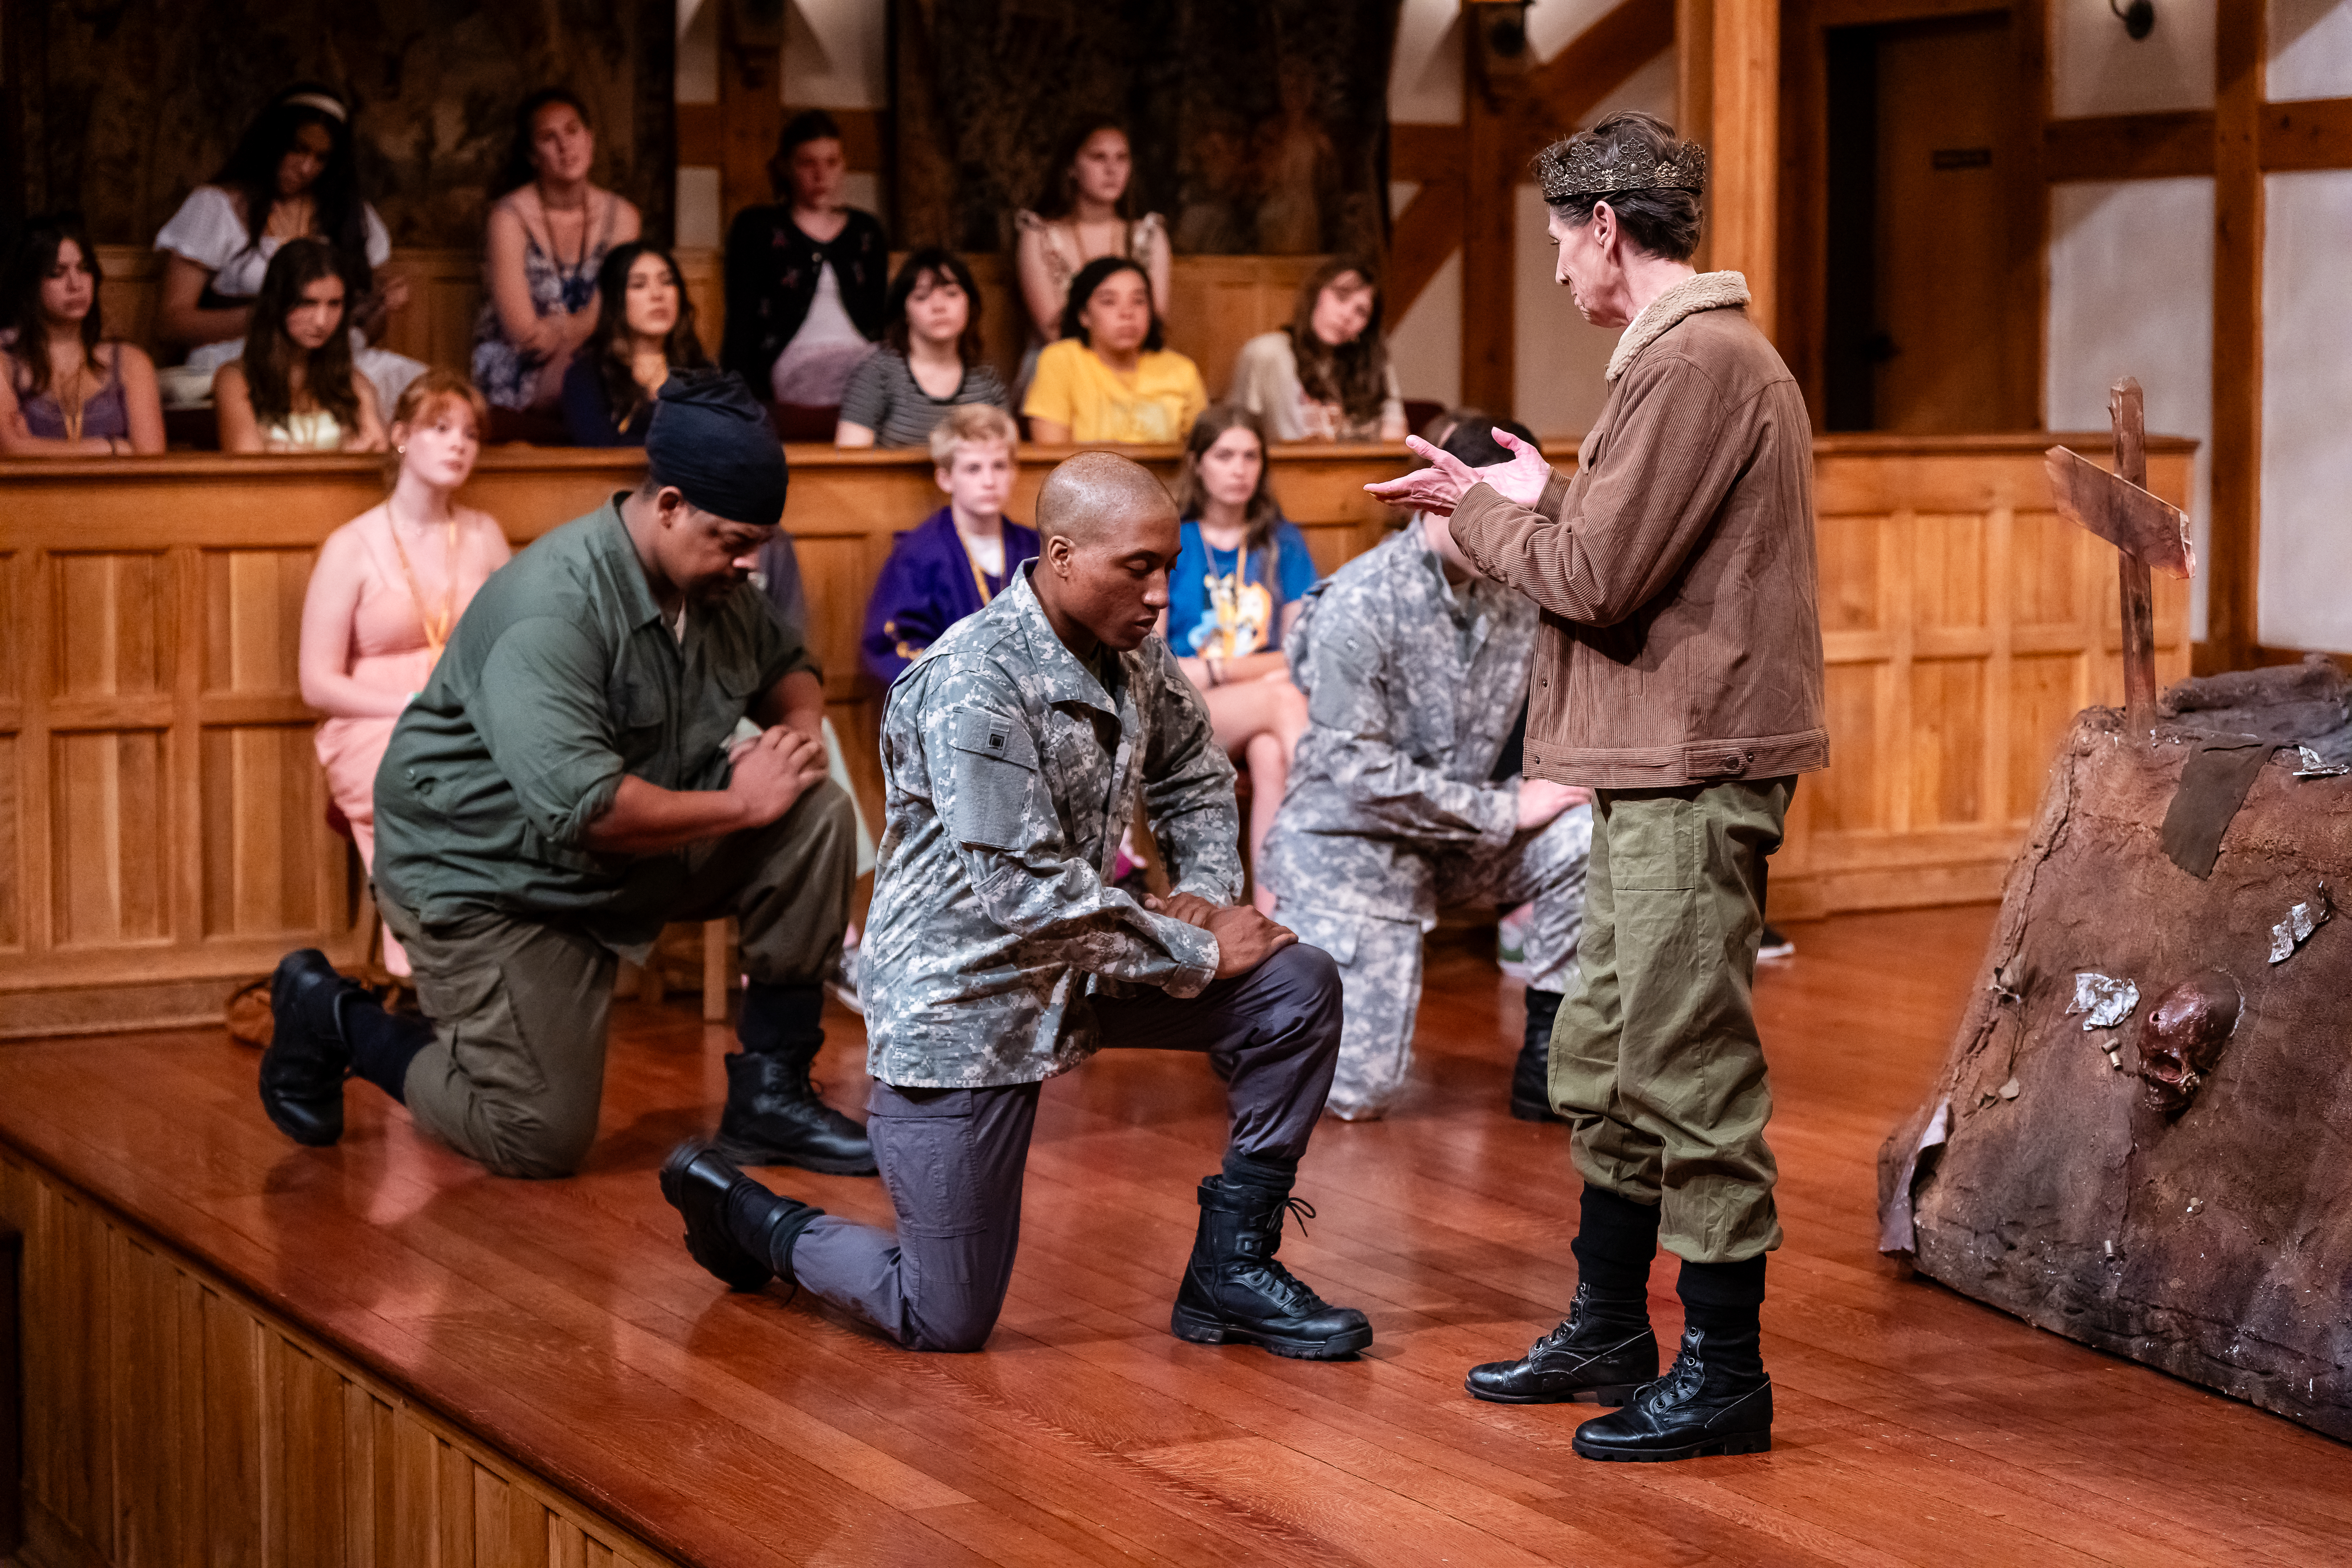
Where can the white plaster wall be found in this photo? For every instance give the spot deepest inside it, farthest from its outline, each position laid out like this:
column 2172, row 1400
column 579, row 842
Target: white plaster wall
column 2131, row 293
column 1425, row 71
column 1427, row 345
column 2097, row 68
column 2311, row 51
column 836, row 56
column 2304, row 577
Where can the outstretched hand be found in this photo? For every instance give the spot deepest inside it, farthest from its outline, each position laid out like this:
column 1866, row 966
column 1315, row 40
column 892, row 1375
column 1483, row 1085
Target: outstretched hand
column 1439, row 488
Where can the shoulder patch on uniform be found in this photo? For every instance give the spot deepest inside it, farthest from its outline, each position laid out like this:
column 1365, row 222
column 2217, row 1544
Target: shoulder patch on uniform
column 992, row 735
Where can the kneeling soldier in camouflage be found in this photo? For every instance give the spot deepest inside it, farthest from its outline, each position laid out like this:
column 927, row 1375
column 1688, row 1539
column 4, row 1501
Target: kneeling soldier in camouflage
column 999, row 955
column 1405, row 797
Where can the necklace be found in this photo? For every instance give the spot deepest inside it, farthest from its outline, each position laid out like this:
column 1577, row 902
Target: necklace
column 70, row 412
column 980, row 578
column 436, row 627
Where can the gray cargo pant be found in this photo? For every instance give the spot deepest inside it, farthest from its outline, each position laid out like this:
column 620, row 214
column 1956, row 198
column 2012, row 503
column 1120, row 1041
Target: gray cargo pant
column 1379, row 960
column 954, row 1158
column 519, row 1006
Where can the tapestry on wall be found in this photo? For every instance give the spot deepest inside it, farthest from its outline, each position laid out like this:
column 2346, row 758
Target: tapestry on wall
column 123, row 106
column 1259, row 127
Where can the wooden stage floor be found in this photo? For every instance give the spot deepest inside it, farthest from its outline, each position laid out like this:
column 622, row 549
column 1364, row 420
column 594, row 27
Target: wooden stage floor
column 564, row 1323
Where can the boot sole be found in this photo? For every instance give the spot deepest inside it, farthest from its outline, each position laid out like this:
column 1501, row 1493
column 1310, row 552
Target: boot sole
column 1194, row 1329
column 1611, row 1394
column 743, row 1153
column 1738, row 1443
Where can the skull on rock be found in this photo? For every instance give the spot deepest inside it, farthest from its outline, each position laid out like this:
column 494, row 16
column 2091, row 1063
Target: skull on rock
column 2183, row 1037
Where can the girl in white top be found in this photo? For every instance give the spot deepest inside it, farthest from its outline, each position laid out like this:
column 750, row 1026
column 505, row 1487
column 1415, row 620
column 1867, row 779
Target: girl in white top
column 1086, row 213
column 296, row 390
column 292, row 176
column 1326, row 376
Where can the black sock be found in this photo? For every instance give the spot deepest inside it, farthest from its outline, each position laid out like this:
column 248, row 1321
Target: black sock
column 1269, row 1172
column 781, row 1019
column 1616, row 1240
column 1722, row 1301
column 382, row 1044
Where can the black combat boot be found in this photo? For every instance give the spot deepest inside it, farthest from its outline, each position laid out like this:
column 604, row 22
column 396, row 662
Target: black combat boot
column 1594, row 1357
column 303, row 1071
column 773, row 1116
column 735, row 1227
column 1235, row 1292
column 1701, row 1408
column 1531, row 1074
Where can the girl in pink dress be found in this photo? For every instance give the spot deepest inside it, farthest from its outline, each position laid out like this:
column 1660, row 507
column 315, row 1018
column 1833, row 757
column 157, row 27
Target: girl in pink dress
column 387, row 591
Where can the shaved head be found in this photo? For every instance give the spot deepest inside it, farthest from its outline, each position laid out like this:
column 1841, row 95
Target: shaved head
column 1107, row 535
column 1089, row 495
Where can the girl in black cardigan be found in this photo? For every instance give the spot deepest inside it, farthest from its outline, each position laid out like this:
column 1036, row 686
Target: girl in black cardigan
column 805, row 278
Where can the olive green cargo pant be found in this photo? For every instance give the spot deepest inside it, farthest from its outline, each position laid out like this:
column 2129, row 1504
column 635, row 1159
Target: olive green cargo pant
column 1655, row 1061
column 515, row 1072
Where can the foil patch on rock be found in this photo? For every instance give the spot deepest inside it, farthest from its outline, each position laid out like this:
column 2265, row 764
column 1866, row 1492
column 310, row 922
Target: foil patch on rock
column 2108, row 1000
column 2301, row 920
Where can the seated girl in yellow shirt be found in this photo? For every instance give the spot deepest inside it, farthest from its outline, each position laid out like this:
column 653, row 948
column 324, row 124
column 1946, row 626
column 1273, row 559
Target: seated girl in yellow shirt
column 1107, row 379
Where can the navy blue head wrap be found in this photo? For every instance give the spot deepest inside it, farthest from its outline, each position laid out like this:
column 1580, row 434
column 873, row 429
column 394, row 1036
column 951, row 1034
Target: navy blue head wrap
column 715, row 443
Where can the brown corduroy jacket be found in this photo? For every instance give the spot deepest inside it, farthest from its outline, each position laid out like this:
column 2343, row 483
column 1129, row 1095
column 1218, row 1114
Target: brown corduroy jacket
column 1680, row 640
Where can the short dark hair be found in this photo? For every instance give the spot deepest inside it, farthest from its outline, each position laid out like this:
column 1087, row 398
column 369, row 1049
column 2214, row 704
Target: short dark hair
column 1093, row 276
column 943, row 265
column 1472, row 439
column 808, row 125
column 1662, row 220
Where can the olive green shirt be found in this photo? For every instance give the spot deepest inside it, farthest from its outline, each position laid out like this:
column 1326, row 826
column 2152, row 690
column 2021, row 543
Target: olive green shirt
column 561, row 678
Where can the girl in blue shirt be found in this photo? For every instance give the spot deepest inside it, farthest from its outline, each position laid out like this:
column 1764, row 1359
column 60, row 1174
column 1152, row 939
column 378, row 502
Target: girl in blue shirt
column 1237, row 588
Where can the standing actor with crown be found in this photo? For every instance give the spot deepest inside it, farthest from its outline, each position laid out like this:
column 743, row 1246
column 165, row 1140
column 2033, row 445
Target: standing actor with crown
column 1678, row 676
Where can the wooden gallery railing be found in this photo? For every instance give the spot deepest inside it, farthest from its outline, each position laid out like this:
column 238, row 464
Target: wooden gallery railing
column 162, row 818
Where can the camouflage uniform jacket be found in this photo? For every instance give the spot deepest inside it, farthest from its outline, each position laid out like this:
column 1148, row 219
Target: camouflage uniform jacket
column 1413, row 687
column 1010, row 774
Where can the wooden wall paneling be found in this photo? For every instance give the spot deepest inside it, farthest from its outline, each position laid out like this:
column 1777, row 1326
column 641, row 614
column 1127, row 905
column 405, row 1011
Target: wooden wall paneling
column 12, row 1389
column 2235, row 465
column 1800, row 330
column 1744, row 163
column 14, row 845
column 2026, row 322
column 172, row 1420
column 2316, row 134
column 2128, row 146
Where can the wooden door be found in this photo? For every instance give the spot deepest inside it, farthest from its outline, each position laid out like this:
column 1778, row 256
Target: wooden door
column 1946, row 122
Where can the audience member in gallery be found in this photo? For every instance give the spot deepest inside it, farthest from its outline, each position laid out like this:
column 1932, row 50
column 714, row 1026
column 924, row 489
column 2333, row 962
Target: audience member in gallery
column 387, row 591
column 930, row 359
column 956, row 561
column 1326, row 376
column 297, row 390
column 1109, row 379
column 549, row 233
column 1086, row 212
column 292, row 176
column 1233, row 593
column 644, row 331
column 806, row 278
column 69, row 392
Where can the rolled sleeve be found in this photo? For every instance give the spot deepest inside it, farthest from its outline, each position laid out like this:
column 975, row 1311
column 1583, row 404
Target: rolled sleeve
column 541, row 710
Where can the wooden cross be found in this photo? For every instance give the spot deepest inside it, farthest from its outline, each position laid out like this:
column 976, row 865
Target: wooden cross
column 2148, row 532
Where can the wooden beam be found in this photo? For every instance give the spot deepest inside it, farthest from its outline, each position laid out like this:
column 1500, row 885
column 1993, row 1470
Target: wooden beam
column 701, row 135
column 1744, row 158
column 1427, row 232
column 751, row 115
column 1695, row 90
column 1422, row 153
column 2129, row 146
column 2312, row 136
column 1490, row 170
column 1561, row 93
column 2025, row 322
column 2231, row 632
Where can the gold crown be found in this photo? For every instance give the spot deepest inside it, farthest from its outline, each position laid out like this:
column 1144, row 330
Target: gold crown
column 1580, row 167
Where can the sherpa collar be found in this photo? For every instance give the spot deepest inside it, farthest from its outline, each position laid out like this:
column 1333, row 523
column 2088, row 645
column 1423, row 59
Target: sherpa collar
column 1706, row 292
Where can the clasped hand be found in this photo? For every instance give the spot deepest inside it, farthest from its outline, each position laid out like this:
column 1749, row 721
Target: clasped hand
column 1439, row 488
column 1246, row 938
column 772, row 769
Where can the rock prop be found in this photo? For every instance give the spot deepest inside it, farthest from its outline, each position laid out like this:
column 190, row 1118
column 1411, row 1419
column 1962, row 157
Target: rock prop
column 2142, row 1138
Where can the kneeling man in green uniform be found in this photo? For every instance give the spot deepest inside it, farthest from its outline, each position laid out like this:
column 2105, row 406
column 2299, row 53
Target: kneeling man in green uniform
column 569, row 780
